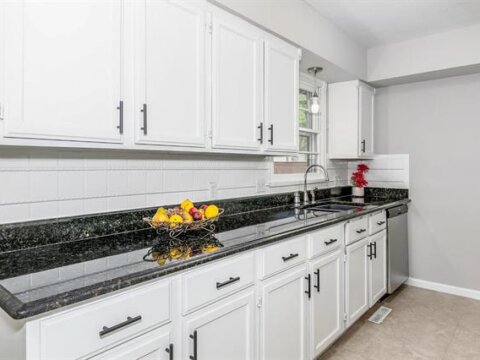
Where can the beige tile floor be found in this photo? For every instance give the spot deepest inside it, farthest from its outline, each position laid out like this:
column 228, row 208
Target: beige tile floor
column 423, row 325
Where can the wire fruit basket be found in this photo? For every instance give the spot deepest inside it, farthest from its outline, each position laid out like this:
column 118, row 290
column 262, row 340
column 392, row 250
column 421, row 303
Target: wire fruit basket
column 205, row 227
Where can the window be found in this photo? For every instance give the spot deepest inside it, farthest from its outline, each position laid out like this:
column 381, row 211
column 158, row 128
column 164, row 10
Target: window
column 310, row 141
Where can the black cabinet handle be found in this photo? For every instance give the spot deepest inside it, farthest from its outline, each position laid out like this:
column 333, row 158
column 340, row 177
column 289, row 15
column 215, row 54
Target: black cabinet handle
column 309, row 285
column 120, row 117
column 330, row 242
column 194, row 337
column 380, row 222
column 290, row 257
column 260, row 127
column 363, row 146
column 317, row 286
column 375, row 250
column 144, row 111
column 107, row 330
column 169, row 350
column 370, row 254
column 228, row 282
column 361, row 231
column 270, row 128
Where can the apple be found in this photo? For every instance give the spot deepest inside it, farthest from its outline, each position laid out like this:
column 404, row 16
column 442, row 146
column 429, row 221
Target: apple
column 197, row 216
column 203, row 207
column 192, row 211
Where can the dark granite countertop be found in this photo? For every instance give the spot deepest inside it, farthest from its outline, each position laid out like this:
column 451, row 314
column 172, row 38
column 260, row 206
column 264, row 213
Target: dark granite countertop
column 50, row 264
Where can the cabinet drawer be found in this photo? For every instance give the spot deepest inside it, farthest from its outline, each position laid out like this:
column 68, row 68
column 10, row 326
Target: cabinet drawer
column 327, row 239
column 356, row 229
column 99, row 325
column 216, row 280
column 279, row 257
column 377, row 222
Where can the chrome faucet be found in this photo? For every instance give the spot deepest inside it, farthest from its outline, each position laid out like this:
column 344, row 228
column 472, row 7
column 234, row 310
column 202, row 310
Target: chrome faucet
column 305, row 192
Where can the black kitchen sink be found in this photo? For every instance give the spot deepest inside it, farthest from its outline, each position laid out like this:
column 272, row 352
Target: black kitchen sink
column 333, row 207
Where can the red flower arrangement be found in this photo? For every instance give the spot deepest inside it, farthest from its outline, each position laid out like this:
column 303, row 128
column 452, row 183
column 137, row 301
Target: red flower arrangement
column 358, row 177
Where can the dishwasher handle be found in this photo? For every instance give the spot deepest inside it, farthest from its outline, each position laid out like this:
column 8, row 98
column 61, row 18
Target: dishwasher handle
column 397, row 210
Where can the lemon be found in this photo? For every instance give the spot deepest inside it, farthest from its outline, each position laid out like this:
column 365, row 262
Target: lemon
column 175, row 220
column 159, row 218
column 186, row 204
column 211, row 211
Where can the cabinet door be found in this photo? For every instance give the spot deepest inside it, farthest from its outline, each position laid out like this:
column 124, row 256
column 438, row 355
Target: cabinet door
column 222, row 331
column 326, row 307
column 366, row 103
column 155, row 345
column 377, row 267
column 281, row 95
column 283, row 316
column 356, row 281
column 237, row 83
column 64, row 69
column 170, row 71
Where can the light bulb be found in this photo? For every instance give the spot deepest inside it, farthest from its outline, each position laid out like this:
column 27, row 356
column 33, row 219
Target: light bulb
column 315, row 105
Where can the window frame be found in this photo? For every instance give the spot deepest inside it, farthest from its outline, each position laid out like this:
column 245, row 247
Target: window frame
column 319, row 127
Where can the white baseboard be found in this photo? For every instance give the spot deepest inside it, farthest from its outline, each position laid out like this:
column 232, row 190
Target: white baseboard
column 448, row 289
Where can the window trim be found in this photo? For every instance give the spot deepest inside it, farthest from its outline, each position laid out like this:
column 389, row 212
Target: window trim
column 306, row 82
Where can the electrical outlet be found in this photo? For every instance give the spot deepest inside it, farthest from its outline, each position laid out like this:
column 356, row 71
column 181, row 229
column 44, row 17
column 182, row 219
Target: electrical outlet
column 213, row 190
column 261, row 185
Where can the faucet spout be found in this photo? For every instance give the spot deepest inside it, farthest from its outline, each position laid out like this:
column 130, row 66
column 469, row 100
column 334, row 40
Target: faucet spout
column 305, row 182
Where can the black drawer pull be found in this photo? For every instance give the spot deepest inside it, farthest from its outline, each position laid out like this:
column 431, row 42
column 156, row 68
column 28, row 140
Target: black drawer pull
column 370, row 251
column 309, row 285
column 375, row 250
column 107, row 330
column 290, row 257
column 380, row 222
column 330, row 242
column 194, row 337
column 317, row 274
column 361, row 231
column 169, row 350
column 228, row 282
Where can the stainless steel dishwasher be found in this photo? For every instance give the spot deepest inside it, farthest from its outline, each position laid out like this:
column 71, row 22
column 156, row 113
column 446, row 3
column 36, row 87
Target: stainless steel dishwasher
column 397, row 247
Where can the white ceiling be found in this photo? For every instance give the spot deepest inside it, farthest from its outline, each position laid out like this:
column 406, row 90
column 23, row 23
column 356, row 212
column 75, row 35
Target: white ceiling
column 378, row 22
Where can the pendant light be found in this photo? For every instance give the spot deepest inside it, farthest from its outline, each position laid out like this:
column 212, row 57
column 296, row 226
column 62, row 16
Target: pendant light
column 314, row 100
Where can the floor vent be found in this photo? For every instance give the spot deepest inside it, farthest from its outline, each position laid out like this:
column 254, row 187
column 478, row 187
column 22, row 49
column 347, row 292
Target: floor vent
column 379, row 316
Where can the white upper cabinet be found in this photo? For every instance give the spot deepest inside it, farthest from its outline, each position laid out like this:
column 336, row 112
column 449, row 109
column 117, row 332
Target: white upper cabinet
column 236, row 83
column 170, row 62
column 63, row 63
column 281, row 95
column 350, row 118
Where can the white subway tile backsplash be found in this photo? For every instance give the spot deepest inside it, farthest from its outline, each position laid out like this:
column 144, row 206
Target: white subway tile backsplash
column 71, row 185
column 95, row 183
column 117, row 183
column 48, row 183
column 43, row 185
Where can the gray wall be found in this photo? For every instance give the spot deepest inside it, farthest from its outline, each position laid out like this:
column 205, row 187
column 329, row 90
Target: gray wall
column 438, row 123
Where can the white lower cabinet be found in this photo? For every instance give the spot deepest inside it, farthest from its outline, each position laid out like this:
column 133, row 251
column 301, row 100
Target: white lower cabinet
column 326, row 305
column 283, row 318
column 377, row 267
column 155, row 345
column 356, row 281
column 224, row 330
column 253, row 306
